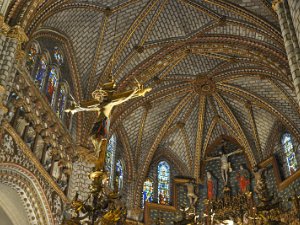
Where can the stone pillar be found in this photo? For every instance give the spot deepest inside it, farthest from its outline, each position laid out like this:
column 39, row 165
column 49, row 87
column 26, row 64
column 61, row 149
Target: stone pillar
column 11, row 40
column 4, row 6
column 291, row 45
column 294, row 6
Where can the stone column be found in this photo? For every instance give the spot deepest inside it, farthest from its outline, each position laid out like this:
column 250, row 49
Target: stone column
column 11, row 40
column 292, row 49
column 4, row 6
column 294, row 6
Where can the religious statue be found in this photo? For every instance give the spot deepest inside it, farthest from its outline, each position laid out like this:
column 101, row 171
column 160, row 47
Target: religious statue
column 104, row 100
column 39, row 146
column 243, row 179
column 191, row 193
column 225, row 165
column 30, row 136
column 261, row 187
column 20, row 125
column 211, row 187
column 161, row 198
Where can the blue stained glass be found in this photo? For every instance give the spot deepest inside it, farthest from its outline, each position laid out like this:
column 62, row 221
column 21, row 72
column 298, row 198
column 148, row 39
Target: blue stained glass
column 147, row 192
column 52, row 85
column 58, row 56
column 110, row 151
column 61, row 101
column 41, row 72
column 288, row 146
column 163, row 182
column 119, row 177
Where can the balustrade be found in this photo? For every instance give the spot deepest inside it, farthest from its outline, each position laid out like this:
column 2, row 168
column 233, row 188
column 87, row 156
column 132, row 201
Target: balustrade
column 34, row 121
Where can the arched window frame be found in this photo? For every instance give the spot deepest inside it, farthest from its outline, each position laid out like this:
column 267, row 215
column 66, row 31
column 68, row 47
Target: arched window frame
column 58, row 108
column 163, row 182
column 147, row 194
column 288, row 148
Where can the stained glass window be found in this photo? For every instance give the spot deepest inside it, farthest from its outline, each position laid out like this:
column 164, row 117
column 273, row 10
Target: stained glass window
column 41, row 71
column 61, row 101
column 52, row 85
column 110, row 152
column 119, row 174
column 147, row 192
column 58, row 56
column 163, row 182
column 288, row 146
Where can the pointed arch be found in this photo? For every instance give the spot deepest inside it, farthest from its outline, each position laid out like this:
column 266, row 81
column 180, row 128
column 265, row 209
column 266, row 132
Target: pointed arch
column 24, row 182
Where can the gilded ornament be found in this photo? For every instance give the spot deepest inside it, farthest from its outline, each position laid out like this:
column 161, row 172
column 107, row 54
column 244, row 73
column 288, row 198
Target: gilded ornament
column 17, row 32
column 4, row 28
column 275, row 4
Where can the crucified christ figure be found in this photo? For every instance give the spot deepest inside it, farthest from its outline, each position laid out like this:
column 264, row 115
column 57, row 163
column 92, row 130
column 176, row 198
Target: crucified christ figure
column 103, row 102
column 225, row 165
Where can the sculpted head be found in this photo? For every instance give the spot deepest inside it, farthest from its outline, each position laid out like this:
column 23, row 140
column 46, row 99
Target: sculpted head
column 208, row 175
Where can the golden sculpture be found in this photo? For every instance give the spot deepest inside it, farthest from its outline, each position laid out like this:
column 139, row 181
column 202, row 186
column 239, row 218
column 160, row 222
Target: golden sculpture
column 103, row 102
column 106, row 207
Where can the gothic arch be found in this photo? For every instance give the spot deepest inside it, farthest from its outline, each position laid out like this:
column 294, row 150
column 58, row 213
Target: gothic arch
column 27, row 186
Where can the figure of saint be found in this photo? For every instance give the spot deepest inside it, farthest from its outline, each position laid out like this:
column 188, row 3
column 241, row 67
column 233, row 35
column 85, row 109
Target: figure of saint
column 243, row 178
column 104, row 100
column 20, row 126
column 211, row 187
column 161, row 198
column 50, row 90
column 225, row 165
column 191, row 193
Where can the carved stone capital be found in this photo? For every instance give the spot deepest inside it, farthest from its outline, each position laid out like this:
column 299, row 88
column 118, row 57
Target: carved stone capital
column 3, row 109
column 275, row 4
column 2, row 89
column 4, row 28
column 17, row 32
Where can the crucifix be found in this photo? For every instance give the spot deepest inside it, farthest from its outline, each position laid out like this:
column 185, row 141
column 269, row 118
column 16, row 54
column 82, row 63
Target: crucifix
column 225, row 164
column 104, row 100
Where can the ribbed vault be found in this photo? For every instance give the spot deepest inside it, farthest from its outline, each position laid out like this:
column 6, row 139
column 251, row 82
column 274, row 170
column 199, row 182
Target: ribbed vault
column 217, row 68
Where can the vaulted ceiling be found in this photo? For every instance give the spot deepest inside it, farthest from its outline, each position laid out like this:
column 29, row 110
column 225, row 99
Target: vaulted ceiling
column 218, row 68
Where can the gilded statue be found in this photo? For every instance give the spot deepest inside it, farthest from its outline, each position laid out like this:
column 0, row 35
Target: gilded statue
column 103, row 102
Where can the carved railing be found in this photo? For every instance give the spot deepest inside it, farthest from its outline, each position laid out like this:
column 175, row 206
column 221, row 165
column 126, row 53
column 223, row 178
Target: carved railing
column 33, row 119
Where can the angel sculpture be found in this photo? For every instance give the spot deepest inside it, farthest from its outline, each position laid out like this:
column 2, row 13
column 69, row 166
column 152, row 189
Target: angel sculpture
column 103, row 102
column 225, row 165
